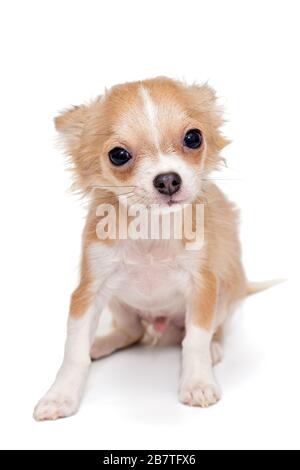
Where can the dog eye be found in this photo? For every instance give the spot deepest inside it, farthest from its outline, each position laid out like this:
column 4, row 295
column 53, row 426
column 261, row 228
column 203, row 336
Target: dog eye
column 119, row 156
column 193, row 139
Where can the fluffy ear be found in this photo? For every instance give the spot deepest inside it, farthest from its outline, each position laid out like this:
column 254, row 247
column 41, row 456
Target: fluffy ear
column 204, row 94
column 208, row 109
column 70, row 125
column 77, row 128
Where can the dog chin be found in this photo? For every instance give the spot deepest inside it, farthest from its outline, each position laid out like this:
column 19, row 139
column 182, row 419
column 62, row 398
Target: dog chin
column 176, row 200
column 180, row 201
column 166, row 206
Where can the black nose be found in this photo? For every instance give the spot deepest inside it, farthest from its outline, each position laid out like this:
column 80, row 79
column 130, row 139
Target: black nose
column 167, row 183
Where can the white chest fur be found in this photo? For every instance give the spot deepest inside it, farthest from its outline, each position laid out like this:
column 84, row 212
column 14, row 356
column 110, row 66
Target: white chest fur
column 151, row 276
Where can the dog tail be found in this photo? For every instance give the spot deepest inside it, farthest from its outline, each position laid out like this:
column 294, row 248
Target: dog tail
column 255, row 287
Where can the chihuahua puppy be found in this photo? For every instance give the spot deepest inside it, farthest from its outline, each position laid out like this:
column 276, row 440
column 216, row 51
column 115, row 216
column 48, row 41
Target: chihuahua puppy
column 152, row 142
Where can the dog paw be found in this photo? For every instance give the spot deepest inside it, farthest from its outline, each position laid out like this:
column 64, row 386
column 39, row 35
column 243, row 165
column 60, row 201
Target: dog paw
column 216, row 352
column 53, row 406
column 202, row 395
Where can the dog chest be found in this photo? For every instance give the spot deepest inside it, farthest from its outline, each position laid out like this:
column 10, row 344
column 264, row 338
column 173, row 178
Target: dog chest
column 156, row 276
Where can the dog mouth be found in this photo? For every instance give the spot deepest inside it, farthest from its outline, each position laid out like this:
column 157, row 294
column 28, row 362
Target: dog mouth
column 170, row 200
column 171, row 203
column 160, row 200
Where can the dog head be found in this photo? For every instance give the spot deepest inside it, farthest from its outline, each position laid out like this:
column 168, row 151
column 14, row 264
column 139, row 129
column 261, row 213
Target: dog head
column 154, row 140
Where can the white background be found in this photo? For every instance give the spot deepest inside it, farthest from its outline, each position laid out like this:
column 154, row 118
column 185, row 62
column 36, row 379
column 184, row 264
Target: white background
column 57, row 53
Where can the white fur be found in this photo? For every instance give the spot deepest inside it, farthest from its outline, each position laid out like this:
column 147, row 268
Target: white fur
column 216, row 352
column 127, row 330
column 144, row 279
column 142, row 266
column 151, row 115
column 64, row 396
column 197, row 386
column 134, row 272
column 167, row 163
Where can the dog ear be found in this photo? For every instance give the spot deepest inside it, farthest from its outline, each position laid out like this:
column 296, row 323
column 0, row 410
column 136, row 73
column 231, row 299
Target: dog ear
column 205, row 95
column 77, row 128
column 71, row 123
column 209, row 110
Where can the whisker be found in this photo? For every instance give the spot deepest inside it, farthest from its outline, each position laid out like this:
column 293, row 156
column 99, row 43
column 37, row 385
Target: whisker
column 222, row 179
column 112, row 186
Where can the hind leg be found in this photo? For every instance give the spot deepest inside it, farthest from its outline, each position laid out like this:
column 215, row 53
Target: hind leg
column 127, row 331
column 216, row 346
column 222, row 312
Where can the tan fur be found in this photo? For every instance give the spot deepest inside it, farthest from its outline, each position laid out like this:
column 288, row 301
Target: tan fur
column 159, row 291
column 117, row 120
column 203, row 305
column 89, row 131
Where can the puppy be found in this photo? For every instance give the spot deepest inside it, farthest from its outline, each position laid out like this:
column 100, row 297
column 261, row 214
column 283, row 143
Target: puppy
column 150, row 143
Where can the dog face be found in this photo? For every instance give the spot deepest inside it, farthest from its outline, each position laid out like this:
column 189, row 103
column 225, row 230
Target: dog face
column 153, row 140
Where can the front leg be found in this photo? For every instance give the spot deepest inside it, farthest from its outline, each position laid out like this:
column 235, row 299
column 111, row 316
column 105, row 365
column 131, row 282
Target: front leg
column 198, row 386
column 63, row 398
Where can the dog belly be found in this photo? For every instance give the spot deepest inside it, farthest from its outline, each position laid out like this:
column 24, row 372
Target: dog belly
column 163, row 315
column 161, row 303
column 154, row 292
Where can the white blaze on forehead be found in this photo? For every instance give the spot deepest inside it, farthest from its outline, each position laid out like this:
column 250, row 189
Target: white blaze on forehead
column 150, row 111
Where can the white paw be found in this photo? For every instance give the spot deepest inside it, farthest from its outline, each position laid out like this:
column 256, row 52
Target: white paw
column 216, row 352
column 202, row 395
column 55, row 405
